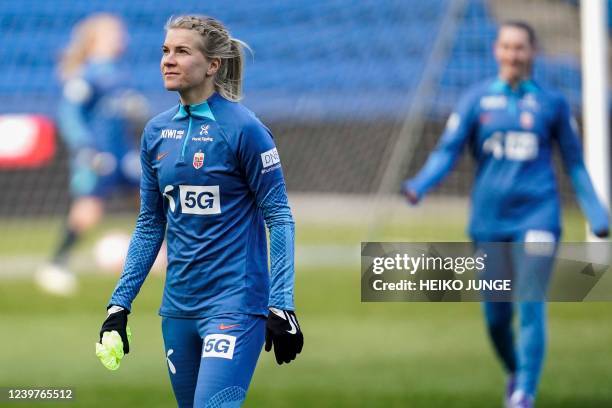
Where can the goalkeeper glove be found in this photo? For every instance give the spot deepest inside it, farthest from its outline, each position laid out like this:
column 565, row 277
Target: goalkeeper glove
column 283, row 330
column 115, row 338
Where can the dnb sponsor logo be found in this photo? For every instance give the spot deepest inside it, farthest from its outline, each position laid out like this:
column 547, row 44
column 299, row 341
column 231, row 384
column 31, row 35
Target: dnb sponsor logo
column 270, row 160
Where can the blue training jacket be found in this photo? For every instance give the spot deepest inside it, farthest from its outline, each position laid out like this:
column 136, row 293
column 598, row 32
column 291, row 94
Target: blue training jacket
column 511, row 134
column 211, row 176
column 91, row 113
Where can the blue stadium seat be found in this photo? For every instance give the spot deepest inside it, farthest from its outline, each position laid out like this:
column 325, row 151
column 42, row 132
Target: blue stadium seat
column 327, row 55
column 471, row 60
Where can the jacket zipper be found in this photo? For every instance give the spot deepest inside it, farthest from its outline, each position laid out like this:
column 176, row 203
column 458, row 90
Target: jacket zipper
column 187, row 109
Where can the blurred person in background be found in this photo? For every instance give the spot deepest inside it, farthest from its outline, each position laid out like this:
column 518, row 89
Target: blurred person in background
column 211, row 178
column 511, row 124
column 99, row 119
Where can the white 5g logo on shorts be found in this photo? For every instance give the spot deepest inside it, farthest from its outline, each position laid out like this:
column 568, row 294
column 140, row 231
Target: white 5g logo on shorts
column 219, row 345
column 198, row 200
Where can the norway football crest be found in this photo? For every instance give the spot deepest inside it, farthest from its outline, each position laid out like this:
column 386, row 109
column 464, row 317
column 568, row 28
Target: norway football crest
column 198, row 160
column 527, row 120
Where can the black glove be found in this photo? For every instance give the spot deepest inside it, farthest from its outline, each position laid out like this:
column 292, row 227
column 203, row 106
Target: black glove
column 602, row 233
column 283, row 330
column 409, row 194
column 117, row 320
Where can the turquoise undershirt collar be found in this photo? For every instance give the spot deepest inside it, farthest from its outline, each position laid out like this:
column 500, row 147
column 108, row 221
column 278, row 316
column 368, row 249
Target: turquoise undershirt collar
column 526, row 85
column 200, row 110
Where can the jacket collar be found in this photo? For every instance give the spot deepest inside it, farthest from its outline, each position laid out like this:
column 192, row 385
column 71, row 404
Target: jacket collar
column 200, row 110
column 524, row 86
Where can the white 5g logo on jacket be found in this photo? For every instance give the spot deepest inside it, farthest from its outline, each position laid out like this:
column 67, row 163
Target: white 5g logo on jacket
column 517, row 146
column 198, row 200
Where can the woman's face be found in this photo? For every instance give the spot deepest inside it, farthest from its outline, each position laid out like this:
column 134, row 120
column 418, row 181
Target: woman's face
column 514, row 53
column 183, row 65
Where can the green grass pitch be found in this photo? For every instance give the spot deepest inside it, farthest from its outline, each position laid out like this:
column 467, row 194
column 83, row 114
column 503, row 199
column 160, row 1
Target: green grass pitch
column 355, row 355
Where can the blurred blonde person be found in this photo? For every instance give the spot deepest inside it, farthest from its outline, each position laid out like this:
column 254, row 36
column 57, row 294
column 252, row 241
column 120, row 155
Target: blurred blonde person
column 96, row 120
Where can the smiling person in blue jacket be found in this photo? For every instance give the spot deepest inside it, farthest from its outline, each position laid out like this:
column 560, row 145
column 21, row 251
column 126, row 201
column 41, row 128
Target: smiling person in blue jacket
column 211, row 178
column 511, row 124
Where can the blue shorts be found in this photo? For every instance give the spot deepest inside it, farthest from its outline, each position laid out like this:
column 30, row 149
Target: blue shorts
column 526, row 258
column 211, row 361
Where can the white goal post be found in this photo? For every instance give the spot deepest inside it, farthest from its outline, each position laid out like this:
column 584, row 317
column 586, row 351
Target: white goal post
column 593, row 14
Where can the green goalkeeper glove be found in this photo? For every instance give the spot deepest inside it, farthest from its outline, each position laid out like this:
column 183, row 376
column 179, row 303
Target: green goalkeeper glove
column 115, row 338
